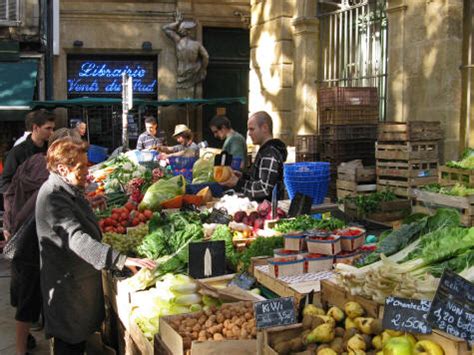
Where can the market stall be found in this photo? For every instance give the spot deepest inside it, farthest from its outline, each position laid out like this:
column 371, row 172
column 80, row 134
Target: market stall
column 339, row 272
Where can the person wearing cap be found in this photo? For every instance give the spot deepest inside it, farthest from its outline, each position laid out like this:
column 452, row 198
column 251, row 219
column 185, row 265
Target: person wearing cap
column 151, row 138
column 186, row 147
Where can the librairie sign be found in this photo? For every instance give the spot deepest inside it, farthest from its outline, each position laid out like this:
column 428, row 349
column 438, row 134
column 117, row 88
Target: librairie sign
column 94, row 76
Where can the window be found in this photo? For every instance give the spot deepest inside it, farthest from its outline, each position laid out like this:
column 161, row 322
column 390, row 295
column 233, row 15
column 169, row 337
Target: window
column 9, row 12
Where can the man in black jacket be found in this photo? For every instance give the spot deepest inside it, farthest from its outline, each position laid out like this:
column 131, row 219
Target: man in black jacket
column 267, row 170
column 42, row 123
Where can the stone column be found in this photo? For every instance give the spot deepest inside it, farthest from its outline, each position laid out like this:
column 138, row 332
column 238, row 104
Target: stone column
column 424, row 80
column 271, row 81
column 306, row 38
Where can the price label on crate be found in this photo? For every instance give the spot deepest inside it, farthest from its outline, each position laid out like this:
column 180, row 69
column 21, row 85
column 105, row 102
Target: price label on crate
column 406, row 315
column 452, row 309
column 275, row 312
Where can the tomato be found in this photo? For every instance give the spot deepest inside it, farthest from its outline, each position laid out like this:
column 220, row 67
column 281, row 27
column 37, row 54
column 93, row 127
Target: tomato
column 121, row 230
column 101, row 223
column 124, row 216
column 115, row 216
column 135, row 222
column 108, row 222
column 130, row 206
column 109, row 229
column 148, row 214
column 141, row 217
column 124, row 223
column 115, row 210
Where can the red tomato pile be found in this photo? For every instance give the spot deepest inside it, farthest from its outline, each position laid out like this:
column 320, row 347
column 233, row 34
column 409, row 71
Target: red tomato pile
column 121, row 218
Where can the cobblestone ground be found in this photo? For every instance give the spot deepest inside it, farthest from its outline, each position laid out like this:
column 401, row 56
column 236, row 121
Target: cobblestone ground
column 7, row 321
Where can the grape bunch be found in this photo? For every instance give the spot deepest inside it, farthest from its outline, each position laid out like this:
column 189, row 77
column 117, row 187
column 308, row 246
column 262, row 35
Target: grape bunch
column 127, row 243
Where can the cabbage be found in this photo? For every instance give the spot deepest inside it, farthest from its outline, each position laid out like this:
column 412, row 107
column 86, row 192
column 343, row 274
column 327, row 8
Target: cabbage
column 203, row 169
column 162, row 190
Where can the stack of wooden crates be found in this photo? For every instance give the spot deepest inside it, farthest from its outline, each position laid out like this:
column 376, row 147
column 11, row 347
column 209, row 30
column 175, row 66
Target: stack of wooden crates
column 307, row 148
column 407, row 156
column 348, row 118
column 355, row 179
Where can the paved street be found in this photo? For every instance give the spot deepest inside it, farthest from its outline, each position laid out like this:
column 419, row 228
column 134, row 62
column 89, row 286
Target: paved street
column 7, row 313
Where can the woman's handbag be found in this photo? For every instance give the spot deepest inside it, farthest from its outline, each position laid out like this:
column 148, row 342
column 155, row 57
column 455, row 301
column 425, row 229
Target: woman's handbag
column 17, row 241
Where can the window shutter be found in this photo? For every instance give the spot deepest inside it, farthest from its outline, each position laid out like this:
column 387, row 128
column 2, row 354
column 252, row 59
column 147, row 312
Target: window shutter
column 9, row 12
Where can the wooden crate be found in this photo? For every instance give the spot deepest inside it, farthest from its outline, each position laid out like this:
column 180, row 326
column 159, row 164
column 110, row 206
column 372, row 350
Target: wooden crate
column 174, row 342
column 140, row 341
column 427, row 202
column 450, row 344
column 348, row 132
column 404, row 188
column 407, row 169
column 273, row 335
column 335, row 295
column 451, row 176
column 352, row 171
column 350, row 188
column 283, row 289
column 306, row 157
column 411, row 131
column 117, row 293
column 344, row 97
column 387, row 211
column 421, row 151
column 357, row 115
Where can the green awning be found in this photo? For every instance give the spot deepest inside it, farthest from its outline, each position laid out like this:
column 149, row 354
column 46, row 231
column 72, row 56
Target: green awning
column 17, row 84
column 97, row 102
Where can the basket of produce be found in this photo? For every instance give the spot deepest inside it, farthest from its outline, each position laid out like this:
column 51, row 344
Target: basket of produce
column 286, row 266
column 352, row 238
column 318, row 262
column 295, row 241
column 330, row 245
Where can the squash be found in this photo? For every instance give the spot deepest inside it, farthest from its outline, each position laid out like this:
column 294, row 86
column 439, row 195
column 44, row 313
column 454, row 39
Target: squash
column 222, row 173
column 206, row 194
column 175, row 202
column 195, row 200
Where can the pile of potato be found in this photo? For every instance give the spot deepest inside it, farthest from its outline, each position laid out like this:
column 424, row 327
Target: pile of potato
column 348, row 332
column 232, row 321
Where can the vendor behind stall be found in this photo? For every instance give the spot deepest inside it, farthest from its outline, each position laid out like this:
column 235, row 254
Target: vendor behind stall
column 186, row 147
column 267, row 170
column 151, row 138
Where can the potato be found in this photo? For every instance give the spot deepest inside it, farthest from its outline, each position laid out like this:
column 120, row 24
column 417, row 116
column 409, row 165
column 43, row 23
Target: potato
column 194, row 335
column 220, row 317
column 248, row 315
column 202, row 319
column 218, row 336
column 208, row 323
column 243, row 333
column 236, row 331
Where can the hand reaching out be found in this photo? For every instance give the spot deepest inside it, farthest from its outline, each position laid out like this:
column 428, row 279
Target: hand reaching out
column 141, row 263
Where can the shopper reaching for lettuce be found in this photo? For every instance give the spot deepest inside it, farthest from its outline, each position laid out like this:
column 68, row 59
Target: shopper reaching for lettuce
column 71, row 252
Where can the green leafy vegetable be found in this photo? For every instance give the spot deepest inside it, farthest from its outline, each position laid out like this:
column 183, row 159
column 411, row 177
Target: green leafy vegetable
column 305, row 223
column 262, row 246
column 369, row 203
column 161, row 191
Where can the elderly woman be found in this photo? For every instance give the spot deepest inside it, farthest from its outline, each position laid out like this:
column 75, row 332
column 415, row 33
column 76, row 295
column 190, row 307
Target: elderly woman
column 71, row 253
column 20, row 200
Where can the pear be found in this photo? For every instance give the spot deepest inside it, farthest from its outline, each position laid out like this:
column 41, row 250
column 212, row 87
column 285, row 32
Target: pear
column 363, row 324
column 321, row 334
column 357, row 352
column 296, row 344
column 353, row 309
column 349, row 323
column 428, row 347
column 377, row 342
column 411, row 338
column 357, row 342
column 316, row 321
column 326, row 351
column 328, row 320
column 385, row 337
column 336, row 313
column 312, row 310
column 376, row 327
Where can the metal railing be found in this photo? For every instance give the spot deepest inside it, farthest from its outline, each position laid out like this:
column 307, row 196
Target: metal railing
column 10, row 12
column 353, row 45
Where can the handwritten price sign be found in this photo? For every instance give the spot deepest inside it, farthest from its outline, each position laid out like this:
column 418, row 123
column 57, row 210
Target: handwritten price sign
column 406, row 315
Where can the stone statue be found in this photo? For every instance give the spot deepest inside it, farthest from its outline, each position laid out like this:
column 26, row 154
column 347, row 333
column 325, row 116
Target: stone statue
column 192, row 56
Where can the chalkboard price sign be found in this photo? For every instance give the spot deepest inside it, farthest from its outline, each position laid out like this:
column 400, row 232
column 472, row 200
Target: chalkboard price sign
column 406, row 315
column 452, row 309
column 275, row 312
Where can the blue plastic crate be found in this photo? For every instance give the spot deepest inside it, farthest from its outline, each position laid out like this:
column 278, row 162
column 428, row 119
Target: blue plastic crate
column 187, row 173
column 216, row 189
column 316, row 188
column 96, row 154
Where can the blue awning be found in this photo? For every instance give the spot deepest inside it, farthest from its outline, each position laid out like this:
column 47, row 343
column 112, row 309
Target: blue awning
column 17, row 84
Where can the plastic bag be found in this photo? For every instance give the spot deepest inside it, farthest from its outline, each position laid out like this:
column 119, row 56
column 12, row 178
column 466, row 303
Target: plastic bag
column 163, row 190
column 203, row 169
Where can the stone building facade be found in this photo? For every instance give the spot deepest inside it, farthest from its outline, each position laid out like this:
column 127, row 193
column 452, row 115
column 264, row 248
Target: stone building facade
column 424, row 56
column 133, row 29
